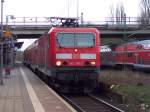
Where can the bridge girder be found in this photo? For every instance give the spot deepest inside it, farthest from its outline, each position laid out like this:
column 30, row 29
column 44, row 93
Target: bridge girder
column 107, row 33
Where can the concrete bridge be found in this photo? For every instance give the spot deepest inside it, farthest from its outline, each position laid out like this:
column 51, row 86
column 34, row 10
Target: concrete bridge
column 33, row 27
column 34, row 31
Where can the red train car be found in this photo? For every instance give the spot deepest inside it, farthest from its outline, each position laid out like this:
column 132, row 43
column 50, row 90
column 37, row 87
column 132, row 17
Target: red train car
column 142, row 59
column 68, row 57
column 125, row 54
column 132, row 54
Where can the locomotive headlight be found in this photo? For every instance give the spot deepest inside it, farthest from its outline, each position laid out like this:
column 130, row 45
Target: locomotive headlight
column 58, row 63
column 93, row 63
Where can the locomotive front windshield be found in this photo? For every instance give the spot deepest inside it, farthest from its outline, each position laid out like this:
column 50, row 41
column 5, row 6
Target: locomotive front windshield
column 75, row 39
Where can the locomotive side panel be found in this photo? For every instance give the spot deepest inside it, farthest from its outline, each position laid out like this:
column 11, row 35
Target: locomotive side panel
column 43, row 51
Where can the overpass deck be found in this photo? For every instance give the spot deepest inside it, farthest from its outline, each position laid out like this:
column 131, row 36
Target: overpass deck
column 33, row 27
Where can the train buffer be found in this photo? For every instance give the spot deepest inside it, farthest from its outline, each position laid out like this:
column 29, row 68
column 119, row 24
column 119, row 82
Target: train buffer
column 25, row 92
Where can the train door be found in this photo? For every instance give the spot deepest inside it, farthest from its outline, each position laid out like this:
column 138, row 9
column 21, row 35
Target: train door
column 46, row 60
column 136, row 57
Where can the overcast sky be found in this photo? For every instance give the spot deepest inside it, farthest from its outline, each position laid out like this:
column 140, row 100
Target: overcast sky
column 93, row 10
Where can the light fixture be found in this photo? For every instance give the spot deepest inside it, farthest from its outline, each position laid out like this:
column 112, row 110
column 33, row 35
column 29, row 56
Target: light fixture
column 58, row 63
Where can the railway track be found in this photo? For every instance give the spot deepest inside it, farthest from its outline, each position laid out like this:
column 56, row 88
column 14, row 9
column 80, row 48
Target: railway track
column 90, row 103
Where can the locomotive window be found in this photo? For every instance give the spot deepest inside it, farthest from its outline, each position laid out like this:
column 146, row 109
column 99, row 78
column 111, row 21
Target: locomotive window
column 85, row 40
column 75, row 39
column 65, row 40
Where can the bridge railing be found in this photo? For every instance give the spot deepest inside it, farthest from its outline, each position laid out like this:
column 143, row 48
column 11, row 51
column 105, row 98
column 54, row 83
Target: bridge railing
column 28, row 21
column 108, row 21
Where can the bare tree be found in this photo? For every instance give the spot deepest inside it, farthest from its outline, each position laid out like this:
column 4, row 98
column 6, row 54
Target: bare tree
column 112, row 14
column 120, row 14
column 144, row 17
column 117, row 13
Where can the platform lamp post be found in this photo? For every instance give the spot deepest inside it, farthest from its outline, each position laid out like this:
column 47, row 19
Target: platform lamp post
column 1, row 45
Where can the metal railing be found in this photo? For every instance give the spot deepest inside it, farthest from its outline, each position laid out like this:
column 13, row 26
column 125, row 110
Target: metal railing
column 46, row 21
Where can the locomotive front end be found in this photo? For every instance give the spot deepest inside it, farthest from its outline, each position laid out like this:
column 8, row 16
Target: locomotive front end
column 77, row 57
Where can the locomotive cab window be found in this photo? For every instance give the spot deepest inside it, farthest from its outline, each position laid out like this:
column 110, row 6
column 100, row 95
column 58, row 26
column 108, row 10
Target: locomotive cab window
column 75, row 39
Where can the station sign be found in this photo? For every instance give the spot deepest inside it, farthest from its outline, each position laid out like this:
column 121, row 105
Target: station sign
column 7, row 34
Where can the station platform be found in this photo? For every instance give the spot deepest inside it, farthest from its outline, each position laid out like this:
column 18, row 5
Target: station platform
column 23, row 91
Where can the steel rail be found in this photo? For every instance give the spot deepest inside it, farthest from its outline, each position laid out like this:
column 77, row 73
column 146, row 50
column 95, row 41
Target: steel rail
column 106, row 103
column 99, row 101
column 78, row 108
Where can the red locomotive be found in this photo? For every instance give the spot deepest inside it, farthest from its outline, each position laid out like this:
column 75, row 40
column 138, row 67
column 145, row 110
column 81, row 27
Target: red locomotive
column 68, row 57
column 133, row 54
